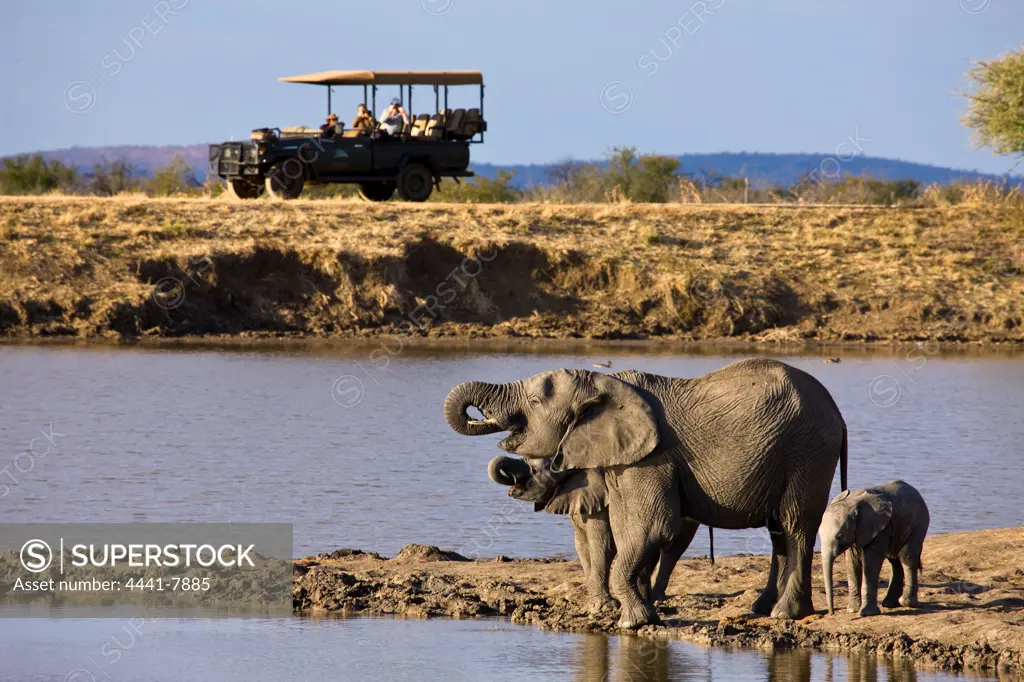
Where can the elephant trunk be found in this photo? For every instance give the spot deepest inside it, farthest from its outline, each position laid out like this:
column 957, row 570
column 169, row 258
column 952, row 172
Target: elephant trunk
column 485, row 397
column 508, row 470
column 828, row 558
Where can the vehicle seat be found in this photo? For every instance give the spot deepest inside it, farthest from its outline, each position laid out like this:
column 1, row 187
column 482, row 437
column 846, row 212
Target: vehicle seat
column 435, row 131
column 419, row 126
column 454, row 122
column 471, row 123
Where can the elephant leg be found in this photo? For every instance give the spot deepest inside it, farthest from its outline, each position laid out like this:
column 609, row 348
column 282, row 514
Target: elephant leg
column 910, row 557
column 892, row 595
column 642, row 525
column 776, row 572
column 854, row 570
column 795, row 600
column 601, row 549
column 874, row 557
column 579, row 527
column 670, row 556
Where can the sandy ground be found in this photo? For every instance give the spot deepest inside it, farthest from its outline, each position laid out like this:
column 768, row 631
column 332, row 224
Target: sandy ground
column 971, row 614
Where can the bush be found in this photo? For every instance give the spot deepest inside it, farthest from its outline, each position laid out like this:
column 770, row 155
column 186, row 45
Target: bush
column 173, row 179
column 112, row 177
column 480, row 191
column 35, row 175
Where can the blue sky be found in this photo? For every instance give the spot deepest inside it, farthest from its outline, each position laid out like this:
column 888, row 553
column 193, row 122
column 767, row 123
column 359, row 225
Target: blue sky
column 568, row 78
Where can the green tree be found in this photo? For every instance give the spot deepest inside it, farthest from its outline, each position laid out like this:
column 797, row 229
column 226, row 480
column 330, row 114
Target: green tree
column 175, row 178
column 648, row 178
column 112, row 177
column 35, row 175
column 481, row 190
column 996, row 107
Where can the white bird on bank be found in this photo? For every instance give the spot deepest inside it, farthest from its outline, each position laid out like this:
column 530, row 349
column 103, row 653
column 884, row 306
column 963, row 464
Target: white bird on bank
column 606, row 364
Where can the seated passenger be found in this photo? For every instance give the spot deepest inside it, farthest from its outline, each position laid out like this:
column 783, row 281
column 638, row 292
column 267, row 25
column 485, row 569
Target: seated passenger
column 330, row 128
column 363, row 120
column 393, row 118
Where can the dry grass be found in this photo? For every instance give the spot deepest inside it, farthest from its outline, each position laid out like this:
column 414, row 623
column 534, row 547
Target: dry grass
column 133, row 265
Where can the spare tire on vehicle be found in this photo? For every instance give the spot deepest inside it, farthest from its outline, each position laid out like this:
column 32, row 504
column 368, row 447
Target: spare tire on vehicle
column 415, row 182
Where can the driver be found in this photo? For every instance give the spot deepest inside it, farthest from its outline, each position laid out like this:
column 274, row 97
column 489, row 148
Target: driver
column 329, row 129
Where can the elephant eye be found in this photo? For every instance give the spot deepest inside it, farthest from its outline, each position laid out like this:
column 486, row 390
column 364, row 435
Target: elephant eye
column 534, row 400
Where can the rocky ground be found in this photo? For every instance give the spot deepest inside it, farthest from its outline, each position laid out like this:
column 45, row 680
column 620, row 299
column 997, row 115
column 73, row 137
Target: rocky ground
column 971, row 614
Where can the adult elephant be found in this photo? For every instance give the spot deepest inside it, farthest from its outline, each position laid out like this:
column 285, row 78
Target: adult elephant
column 752, row 444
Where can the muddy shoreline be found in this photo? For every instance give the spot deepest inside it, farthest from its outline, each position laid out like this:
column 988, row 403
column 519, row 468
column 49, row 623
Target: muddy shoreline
column 971, row 615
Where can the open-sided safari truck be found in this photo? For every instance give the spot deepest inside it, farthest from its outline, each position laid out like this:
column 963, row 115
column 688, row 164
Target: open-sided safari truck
column 431, row 146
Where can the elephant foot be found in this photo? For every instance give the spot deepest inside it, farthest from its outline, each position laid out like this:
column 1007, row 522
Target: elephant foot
column 892, row 602
column 763, row 604
column 658, row 595
column 854, row 607
column 601, row 604
column 638, row 616
column 792, row 609
column 908, row 601
column 870, row 610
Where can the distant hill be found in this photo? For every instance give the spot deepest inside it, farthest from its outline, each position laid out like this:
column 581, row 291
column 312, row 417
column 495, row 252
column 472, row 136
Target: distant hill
column 762, row 169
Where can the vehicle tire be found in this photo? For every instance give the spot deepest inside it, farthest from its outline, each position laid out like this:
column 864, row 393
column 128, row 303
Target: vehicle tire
column 285, row 179
column 376, row 191
column 415, row 183
column 243, row 188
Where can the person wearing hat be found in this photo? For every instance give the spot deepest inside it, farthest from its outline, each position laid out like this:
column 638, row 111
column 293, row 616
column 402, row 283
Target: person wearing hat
column 393, row 118
column 330, row 128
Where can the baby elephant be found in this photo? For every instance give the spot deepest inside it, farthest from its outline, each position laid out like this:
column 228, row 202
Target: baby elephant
column 583, row 496
column 885, row 522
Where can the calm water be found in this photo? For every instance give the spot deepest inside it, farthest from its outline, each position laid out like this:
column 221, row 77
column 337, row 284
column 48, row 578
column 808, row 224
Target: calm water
column 358, row 455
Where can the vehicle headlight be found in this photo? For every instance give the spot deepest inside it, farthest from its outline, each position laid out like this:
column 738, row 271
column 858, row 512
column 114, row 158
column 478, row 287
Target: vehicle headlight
column 250, row 154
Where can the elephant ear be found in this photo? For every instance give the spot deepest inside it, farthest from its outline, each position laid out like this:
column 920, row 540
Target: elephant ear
column 582, row 492
column 874, row 513
column 615, row 426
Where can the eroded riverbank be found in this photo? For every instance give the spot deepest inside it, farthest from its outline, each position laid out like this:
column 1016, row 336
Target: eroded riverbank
column 132, row 267
column 971, row 614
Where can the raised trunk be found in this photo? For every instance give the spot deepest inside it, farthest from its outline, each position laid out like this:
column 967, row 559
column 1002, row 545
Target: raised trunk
column 508, row 470
column 476, row 394
column 828, row 557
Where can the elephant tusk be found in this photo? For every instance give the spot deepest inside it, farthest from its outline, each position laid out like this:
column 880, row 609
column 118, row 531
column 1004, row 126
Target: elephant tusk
column 481, row 422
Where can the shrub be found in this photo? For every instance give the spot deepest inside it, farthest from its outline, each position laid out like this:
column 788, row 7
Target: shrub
column 35, row 175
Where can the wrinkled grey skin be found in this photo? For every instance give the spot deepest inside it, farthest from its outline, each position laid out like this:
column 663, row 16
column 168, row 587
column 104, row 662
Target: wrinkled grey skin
column 890, row 522
column 753, row 444
column 582, row 495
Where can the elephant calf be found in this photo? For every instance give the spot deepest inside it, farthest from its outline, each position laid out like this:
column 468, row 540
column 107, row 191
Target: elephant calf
column 583, row 496
column 886, row 522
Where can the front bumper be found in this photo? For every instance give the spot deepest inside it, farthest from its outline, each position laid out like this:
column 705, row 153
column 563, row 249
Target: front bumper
column 234, row 159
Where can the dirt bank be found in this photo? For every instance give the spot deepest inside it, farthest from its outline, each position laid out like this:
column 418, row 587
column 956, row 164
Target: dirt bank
column 135, row 267
column 971, row 614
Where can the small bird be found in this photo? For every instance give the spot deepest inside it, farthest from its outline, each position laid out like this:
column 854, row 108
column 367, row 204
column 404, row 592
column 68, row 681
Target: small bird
column 831, row 361
column 605, row 364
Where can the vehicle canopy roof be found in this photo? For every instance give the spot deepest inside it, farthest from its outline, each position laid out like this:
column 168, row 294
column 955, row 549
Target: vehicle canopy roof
column 388, row 78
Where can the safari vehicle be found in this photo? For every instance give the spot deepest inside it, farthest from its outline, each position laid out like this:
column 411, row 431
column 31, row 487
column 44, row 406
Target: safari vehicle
column 281, row 161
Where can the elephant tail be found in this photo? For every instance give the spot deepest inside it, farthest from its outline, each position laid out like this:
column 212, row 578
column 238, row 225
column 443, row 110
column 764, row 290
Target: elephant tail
column 711, row 542
column 842, row 461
